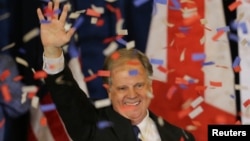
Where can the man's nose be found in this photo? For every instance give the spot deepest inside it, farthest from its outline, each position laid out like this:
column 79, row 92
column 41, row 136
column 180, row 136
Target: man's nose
column 132, row 93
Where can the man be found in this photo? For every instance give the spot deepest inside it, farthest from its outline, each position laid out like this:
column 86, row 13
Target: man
column 126, row 77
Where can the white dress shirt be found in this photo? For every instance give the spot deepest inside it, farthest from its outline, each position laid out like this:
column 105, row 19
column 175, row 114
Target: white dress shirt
column 148, row 130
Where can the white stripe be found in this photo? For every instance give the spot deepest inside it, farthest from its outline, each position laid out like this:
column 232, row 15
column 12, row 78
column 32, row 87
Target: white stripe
column 156, row 45
column 219, row 53
column 244, row 54
column 42, row 133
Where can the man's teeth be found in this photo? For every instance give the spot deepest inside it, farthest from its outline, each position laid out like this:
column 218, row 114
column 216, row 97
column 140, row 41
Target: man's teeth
column 132, row 104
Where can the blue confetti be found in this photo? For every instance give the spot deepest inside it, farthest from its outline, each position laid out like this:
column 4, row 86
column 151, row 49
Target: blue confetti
column 47, row 107
column 233, row 37
column 122, row 41
column 156, row 61
column 78, row 22
column 104, row 124
column 243, row 26
column 72, row 50
column 45, row 21
column 161, row 1
column 225, row 29
column 208, row 63
column 133, row 72
column 198, row 56
column 176, row 3
column 138, row 3
column 236, row 61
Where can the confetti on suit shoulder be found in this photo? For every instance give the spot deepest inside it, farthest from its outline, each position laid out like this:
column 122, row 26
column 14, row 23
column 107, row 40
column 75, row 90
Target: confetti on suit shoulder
column 102, row 103
column 11, row 45
column 160, row 121
column 93, row 13
column 104, row 124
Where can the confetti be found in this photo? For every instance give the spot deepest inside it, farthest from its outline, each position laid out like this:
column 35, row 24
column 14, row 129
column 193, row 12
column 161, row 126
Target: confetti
column 103, row 73
column 102, row 103
column 22, row 61
column 92, row 12
column 217, row 35
column 155, row 61
column 234, row 5
column 216, row 84
column 138, row 3
column 43, row 121
column 246, row 103
column 47, row 107
column 40, row 74
column 5, row 74
column 133, row 72
column 8, row 46
column 97, row 9
column 78, row 22
column 171, row 92
column 198, row 56
column 31, row 34
column 35, row 101
column 110, row 49
column 104, row 124
column 197, row 101
column 195, row 112
column 6, row 93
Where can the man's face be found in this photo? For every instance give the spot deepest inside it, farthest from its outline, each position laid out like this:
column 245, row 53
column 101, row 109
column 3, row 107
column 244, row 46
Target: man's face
column 129, row 91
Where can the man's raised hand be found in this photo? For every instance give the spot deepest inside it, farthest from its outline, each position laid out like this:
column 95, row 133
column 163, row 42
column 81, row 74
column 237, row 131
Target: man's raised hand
column 52, row 31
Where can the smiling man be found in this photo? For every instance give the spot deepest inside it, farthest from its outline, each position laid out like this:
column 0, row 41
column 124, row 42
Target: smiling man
column 128, row 85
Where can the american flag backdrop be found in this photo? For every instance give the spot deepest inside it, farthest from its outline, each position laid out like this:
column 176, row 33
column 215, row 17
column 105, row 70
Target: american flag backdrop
column 201, row 68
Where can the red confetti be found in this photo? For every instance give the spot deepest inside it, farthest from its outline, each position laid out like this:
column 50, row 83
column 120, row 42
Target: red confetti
column 216, row 84
column 43, row 121
column 2, row 122
column 115, row 55
column 217, row 35
column 18, row 78
column 90, row 78
column 237, row 69
column 100, row 22
column 118, row 14
column 110, row 8
column 93, row 13
column 246, row 103
column 234, row 5
column 6, row 93
column 31, row 95
column 4, row 75
column 103, row 73
column 40, row 74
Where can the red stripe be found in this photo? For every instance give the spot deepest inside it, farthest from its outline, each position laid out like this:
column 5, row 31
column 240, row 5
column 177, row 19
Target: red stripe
column 31, row 136
column 54, row 122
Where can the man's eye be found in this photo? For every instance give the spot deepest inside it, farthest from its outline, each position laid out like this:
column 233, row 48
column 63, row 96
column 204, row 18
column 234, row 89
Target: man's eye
column 140, row 85
column 122, row 88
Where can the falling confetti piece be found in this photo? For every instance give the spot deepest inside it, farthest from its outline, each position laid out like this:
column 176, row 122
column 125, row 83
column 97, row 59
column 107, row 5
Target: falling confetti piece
column 102, row 103
column 6, row 93
column 40, row 74
column 92, row 12
column 103, row 73
column 195, row 112
column 5, row 74
column 171, row 92
column 104, row 124
column 43, row 121
column 133, row 72
column 197, row 101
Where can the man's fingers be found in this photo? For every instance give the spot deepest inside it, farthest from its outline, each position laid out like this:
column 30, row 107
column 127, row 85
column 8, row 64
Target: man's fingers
column 63, row 16
column 40, row 14
column 56, row 8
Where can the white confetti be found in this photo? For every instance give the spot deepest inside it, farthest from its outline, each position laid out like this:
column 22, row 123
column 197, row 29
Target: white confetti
column 102, row 103
column 197, row 101
column 35, row 101
column 22, row 61
column 195, row 112
column 110, row 49
column 31, row 34
column 130, row 44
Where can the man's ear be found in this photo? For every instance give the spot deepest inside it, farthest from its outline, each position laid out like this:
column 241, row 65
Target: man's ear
column 106, row 86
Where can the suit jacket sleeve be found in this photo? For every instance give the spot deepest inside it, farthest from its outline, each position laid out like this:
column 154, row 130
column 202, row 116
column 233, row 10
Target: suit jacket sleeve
column 77, row 112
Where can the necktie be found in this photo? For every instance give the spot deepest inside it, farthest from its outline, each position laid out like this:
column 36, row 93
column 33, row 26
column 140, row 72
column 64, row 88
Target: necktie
column 136, row 131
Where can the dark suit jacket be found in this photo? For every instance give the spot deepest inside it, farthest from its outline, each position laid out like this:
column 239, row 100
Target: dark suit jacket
column 81, row 117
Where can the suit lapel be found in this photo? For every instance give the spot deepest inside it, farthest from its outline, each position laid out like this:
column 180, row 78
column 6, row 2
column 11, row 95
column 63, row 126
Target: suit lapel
column 122, row 126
